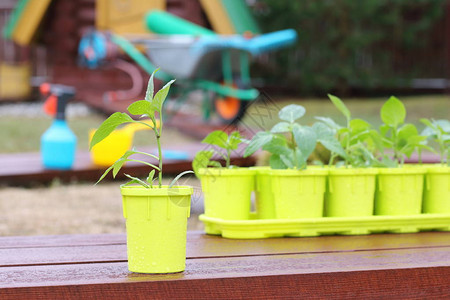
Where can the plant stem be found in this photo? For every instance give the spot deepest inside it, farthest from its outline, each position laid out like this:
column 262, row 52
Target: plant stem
column 227, row 162
column 347, row 145
column 395, row 143
column 158, row 142
column 330, row 162
column 294, row 148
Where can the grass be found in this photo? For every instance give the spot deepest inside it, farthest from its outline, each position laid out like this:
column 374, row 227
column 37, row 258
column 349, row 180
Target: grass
column 23, row 134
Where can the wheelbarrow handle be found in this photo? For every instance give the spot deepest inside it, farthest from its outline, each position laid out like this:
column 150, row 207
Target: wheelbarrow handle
column 272, row 41
column 256, row 45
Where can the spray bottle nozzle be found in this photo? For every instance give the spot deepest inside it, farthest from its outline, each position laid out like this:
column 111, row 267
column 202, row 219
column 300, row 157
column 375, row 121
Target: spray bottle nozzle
column 56, row 102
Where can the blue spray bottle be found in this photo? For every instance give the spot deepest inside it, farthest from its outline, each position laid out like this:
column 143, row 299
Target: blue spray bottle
column 58, row 143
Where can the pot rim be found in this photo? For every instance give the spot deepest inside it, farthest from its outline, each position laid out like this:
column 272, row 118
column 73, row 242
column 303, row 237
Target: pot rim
column 354, row 171
column 177, row 190
column 306, row 172
column 226, row 172
column 402, row 171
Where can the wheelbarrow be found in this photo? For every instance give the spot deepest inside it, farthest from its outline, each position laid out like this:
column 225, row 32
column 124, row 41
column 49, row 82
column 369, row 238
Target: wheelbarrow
column 198, row 58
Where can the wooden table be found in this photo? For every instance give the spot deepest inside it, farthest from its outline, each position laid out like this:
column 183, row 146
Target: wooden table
column 390, row 266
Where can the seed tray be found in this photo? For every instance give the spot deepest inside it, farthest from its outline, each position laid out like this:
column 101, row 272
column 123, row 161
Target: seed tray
column 267, row 228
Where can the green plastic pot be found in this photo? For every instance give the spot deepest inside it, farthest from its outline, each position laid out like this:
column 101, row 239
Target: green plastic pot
column 436, row 198
column 299, row 193
column 350, row 192
column 156, row 222
column 227, row 192
column 264, row 202
column 399, row 191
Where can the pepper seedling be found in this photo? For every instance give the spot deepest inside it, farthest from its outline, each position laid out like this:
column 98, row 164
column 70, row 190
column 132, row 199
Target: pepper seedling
column 348, row 142
column 151, row 107
column 225, row 143
column 396, row 139
column 439, row 132
column 289, row 142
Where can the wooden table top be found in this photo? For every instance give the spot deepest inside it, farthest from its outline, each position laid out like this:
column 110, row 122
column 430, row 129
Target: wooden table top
column 95, row 267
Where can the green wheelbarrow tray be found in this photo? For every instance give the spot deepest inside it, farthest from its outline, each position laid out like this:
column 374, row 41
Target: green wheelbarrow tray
column 184, row 58
column 212, row 62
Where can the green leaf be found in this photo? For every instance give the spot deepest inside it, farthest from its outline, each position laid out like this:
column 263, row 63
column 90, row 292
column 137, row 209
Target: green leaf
column 234, row 140
column 357, row 126
column 306, row 140
column 137, row 180
column 288, row 160
column 150, row 177
column 150, row 89
column 384, row 129
column 322, row 131
column 340, row 106
column 131, row 182
column 218, row 138
column 278, row 145
column 393, row 112
column 334, row 146
column 276, row 162
column 258, row 141
column 405, row 132
column 329, row 122
column 326, row 137
column 118, row 165
column 281, row 127
column 108, row 126
column 161, row 96
column 201, row 160
column 179, row 176
column 443, row 124
column 377, row 140
column 104, row 174
column 141, row 107
column 427, row 123
column 291, row 113
column 300, row 160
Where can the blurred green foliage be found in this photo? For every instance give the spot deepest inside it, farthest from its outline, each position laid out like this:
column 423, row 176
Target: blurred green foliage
column 344, row 44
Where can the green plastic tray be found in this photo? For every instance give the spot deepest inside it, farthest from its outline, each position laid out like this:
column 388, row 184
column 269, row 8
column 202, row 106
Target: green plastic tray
column 256, row 229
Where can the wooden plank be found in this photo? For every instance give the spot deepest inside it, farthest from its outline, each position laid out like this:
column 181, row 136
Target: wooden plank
column 25, row 168
column 231, row 267
column 423, row 283
column 63, row 240
column 112, row 248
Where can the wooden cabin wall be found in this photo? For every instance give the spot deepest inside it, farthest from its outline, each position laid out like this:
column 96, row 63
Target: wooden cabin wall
column 65, row 23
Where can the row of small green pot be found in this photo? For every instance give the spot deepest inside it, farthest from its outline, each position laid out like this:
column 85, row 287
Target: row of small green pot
column 325, row 192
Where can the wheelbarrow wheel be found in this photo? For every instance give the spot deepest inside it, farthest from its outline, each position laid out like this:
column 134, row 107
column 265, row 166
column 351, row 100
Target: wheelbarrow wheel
column 229, row 109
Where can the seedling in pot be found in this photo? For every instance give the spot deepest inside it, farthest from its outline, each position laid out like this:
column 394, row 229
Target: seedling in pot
column 289, row 142
column 348, row 142
column 396, row 140
column 225, row 144
column 439, row 132
column 150, row 107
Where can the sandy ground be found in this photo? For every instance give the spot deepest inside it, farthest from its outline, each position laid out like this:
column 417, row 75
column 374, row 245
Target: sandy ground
column 73, row 209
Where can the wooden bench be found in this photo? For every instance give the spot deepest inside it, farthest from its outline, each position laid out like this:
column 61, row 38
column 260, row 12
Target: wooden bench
column 389, row 266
